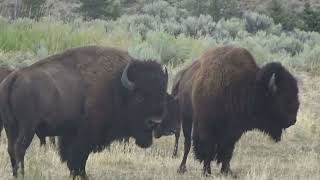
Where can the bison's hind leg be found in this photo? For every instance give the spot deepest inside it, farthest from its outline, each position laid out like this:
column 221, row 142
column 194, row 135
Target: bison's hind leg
column 76, row 161
column 176, row 144
column 12, row 136
column 224, row 155
column 205, row 149
column 23, row 141
column 186, row 128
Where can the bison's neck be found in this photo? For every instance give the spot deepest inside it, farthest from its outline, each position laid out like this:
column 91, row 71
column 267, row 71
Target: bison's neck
column 259, row 113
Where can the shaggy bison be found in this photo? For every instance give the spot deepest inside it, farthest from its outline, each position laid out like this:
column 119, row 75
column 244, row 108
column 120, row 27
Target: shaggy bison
column 89, row 97
column 230, row 95
column 180, row 111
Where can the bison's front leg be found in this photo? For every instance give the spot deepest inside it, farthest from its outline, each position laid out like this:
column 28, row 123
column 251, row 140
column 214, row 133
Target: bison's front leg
column 186, row 128
column 225, row 152
column 207, row 167
column 12, row 138
column 176, row 144
column 77, row 159
column 42, row 140
column 52, row 140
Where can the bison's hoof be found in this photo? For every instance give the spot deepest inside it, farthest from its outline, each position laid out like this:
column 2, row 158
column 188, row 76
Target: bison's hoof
column 206, row 174
column 231, row 174
column 174, row 155
column 182, row 169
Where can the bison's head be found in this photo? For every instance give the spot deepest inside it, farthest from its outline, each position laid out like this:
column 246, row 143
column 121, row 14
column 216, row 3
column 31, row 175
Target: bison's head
column 170, row 120
column 145, row 85
column 279, row 102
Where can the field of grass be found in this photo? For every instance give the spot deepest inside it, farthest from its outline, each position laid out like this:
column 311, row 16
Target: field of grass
column 297, row 156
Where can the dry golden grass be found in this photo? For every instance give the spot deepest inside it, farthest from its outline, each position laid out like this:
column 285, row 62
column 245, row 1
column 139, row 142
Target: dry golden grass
column 297, row 156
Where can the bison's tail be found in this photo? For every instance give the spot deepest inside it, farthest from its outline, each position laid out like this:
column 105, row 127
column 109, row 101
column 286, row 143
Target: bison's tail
column 64, row 142
column 6, row 88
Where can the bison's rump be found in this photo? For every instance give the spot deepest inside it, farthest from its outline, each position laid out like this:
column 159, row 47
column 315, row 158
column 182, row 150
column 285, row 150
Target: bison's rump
column 50, row 96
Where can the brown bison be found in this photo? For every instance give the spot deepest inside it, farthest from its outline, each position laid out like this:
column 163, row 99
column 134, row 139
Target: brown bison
column 89, row 97
column 230, row 95
column 180, row 111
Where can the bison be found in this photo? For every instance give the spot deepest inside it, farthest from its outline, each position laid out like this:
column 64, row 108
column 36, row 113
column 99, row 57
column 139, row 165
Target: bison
column 180, row 112
column 230, row 95
column 88, row 97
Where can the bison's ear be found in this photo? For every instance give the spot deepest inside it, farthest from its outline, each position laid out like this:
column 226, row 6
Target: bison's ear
column 272, row 83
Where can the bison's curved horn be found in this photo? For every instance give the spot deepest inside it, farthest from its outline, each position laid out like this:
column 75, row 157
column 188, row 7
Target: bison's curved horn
column 124, row 78
column 272, row 83
column 166, row 74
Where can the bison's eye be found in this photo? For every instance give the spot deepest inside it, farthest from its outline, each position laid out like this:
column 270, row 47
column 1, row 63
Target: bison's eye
column 138, row 98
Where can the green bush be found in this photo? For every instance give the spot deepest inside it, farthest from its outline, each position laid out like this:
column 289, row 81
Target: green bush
column 311, row 18
column 32, row 8
column 26, row 34
column 229, row 28
column 142, row 24
column 162, row 47
column 198, row 26
column 217, row 9
column 255, row 22
column 288, row 18
column 105, row 9
column 164, row 10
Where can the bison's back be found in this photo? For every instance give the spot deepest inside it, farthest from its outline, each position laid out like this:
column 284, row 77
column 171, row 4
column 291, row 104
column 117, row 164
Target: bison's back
column 63, row 87
column 98, row 67
column 221, row 67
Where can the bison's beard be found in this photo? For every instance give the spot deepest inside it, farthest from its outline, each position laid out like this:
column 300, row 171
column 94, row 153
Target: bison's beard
column 144, row 139
column 275, row 134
